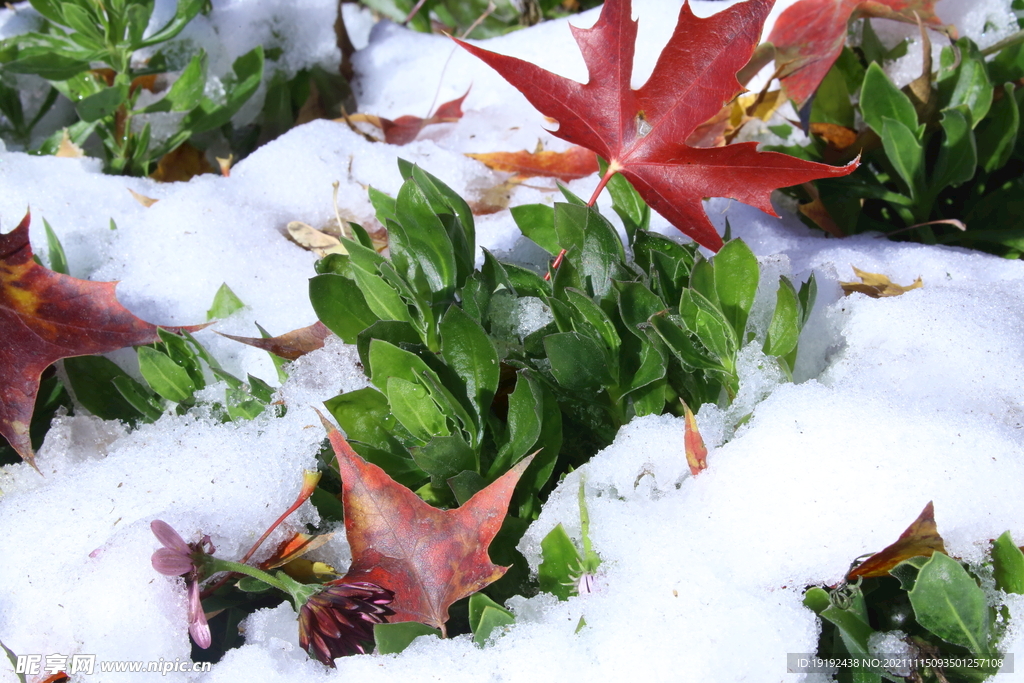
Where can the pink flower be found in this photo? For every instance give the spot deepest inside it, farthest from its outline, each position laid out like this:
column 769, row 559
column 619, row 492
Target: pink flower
column 178, row 558
column 338, row 620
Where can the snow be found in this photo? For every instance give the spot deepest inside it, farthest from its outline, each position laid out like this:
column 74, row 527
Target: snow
column 900, row 401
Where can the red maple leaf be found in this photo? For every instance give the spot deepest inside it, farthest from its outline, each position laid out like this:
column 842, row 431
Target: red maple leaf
column 809, row 35
column 642, row 132
column 46, row 316
column 429, row 557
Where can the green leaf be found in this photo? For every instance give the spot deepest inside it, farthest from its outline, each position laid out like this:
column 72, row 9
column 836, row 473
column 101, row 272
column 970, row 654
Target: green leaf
column 577, row 362
column 92, row 380
column 183, row 13
column 784, row 329
column 465, row 485
column 393, row 638
column 77, row 133
column 832, row 100
column 958, row 156
column 906, row 155
column 967, row 83
column 443, row 457
column 420, row 245
column 340, row 305
column 51, row 9
column 561, row 565
column 636, row 305
column 444, row 200
column 166, row 377
column 703, row 318
column 525, row 420
column 880, row 100
column 248, row 70
column 187, row 92
column 587, row 314
column 602, row 257
column 383, row 300
column 140, row 398
column 680, row 341
column 58, row 260
column 102, row 104
column 83, row 23
column 392, row 331
column 249, row 584
column 537, row 223
column 948, row 602
column 570, row 222
column 138, row 17
column 996, row 135
column 486, row 616
column 736, row 276
column 1008, row 564
column 416, row 410
column 469, row 351
column 225, row 302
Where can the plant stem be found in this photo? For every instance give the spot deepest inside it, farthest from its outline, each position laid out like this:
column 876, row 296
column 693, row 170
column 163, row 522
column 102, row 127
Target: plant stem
column 1009, row 41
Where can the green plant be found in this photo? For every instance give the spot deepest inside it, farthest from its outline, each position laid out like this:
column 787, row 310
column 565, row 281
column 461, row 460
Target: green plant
column 78, row 35
column 465, row 383
column 942, row 152
column 944, row 622
column 474, row 18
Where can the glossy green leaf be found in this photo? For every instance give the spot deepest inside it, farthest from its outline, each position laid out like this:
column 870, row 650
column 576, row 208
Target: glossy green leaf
column 958, row 156
column 460, row 226
column 906, row 155
column 412, row 405
column 627, row 203
column 486, row 616
column 102, row 104
column 525, row 421
column 736, row 275
column 1008, row 564
column 702, row 279
column 963, row 80
column 185, row 11
column 996, row 135
column 82, row 21
column 832, row 100
column 166, row 377
column 51, row 9
column 92, row 380
column 186, row 92
column 392, row 331
column 393, row 638
column 53, row 66
column 469, row 351
column 381, row 297
column 636, row 305
column 682, row 343
column 58, row 259
column 703, row 319
column 340, row 305
column 587, row 314
column 421, row 243
column 570, row 222
column 948, row 602
column 561, row 564
column 443, row 457
column 225, row 302
column 138, row 16
column 577, row 362
column 784, row 329
column 248, row 72
column 537, row 222
column 140, row 398
column 466, row 484
column 880, row 100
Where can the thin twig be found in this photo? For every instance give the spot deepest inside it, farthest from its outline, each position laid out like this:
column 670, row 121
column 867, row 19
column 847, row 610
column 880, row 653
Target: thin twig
column 479, row 20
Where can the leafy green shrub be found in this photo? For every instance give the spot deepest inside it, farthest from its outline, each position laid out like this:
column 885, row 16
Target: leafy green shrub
column 464, row 387
column 78, row 34
column 942, row 150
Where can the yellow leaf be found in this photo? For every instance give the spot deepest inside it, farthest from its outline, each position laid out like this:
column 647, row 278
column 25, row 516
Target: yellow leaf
column 877, row 285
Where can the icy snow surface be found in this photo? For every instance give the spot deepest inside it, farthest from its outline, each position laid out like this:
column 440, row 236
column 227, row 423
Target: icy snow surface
column 900, row 401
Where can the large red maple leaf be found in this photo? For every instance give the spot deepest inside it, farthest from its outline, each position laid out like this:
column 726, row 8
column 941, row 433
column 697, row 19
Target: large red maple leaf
column 642, row 132
column 809, row 35
column 428, row 557
column 46, row 316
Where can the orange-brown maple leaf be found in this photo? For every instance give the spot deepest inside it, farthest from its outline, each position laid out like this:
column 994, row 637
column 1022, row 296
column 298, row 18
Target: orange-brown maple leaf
column 575, row 162
column 920, row 539
column 642, row 133
column 809, row 35
column 46, row 316
column 404, row 129
column 290, row 345
column 429, row 557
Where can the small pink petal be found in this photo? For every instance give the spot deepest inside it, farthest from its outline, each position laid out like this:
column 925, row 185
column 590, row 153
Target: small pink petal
column 171, row 562
column 197, row 625
column 168, row 537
